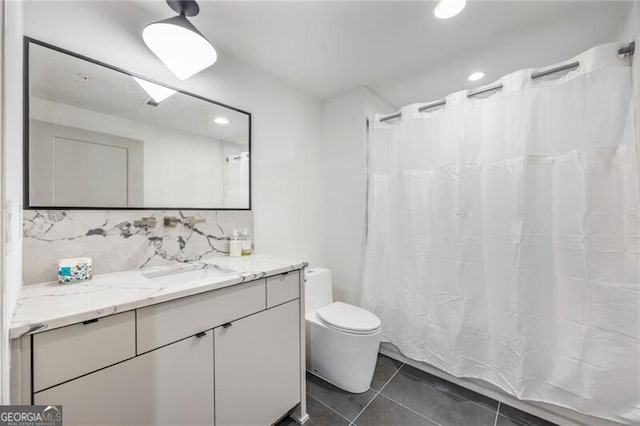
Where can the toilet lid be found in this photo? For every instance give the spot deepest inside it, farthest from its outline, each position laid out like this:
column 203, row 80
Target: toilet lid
column 349, row 318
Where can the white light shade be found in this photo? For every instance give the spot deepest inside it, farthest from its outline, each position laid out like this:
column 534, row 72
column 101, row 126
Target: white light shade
column 180, row 46
column 157, row 92
column 221, row 120
column 478, row 75
column 449, row 8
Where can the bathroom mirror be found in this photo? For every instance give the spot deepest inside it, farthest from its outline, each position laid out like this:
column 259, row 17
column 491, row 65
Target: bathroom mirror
column 97, row 137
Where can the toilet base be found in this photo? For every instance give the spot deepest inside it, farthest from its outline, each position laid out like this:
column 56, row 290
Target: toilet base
column 345, row 360
column 335, row 384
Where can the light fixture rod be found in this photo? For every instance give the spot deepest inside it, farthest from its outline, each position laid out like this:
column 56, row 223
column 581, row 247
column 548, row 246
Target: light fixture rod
column 184, row 7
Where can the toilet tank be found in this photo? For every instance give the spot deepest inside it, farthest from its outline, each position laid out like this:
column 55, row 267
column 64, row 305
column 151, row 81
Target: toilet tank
column 318, row 291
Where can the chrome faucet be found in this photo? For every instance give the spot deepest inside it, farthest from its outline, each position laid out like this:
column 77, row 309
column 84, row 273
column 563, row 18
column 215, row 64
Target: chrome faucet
column 145, row 223
column 171, row 221
column 189, row 221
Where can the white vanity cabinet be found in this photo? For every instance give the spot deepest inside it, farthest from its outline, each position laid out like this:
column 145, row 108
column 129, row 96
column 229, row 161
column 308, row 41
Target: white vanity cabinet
column 232, row 356
column 171, row 385
column 258, row 367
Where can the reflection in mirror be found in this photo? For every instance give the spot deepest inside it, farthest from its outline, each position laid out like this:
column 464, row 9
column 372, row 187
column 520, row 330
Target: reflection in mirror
column 100, row 138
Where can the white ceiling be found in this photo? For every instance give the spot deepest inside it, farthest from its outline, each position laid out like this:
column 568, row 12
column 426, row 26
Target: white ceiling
column 327, row 48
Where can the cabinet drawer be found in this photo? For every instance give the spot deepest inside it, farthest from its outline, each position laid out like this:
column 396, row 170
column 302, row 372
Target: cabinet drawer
column 283, row 288
column 170, row 386
column 68, row 352
column 168, row 322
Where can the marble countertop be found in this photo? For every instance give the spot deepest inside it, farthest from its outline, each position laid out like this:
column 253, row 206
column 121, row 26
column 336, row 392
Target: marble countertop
column 51, row 305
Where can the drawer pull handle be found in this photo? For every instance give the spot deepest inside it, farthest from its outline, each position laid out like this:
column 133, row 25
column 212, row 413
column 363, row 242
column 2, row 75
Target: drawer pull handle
column 227, row 325
column 201, row 334
column 91, row 321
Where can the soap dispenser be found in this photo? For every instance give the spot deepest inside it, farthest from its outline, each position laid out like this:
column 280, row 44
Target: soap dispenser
column 246, row 242
column 235, row 244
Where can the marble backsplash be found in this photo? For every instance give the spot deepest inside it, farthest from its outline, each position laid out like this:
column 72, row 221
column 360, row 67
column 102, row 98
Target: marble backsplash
column 115, row 244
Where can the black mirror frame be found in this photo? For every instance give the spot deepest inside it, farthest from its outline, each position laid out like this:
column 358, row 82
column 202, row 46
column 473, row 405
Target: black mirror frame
column 25, row 105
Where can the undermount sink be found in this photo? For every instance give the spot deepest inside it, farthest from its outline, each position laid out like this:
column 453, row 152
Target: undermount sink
column 188, row 273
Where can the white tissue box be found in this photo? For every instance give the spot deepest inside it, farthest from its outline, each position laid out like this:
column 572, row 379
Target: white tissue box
column 73, row 270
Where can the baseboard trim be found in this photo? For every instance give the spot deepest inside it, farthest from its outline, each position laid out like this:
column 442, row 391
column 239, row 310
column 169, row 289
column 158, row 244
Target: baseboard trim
column 300, row 420
column 559, row 415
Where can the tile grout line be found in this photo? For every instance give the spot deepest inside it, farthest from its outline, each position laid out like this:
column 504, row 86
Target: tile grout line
column 412, row 410
column 376, row 395
column 391, row 378
column 452, row 393
column 495, row 422
column 331, row 409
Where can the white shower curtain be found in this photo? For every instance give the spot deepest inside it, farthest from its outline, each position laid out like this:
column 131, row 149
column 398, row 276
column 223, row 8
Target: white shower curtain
column 503, row 237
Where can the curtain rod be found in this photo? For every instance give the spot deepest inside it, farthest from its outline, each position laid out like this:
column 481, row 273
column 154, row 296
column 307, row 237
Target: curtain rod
column 421, row 109
column 567, row 67
column 628, row 50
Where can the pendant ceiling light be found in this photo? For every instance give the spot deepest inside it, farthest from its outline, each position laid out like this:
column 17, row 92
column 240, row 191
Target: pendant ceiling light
column 178, row 43
column 446, row 9
column 157, row 92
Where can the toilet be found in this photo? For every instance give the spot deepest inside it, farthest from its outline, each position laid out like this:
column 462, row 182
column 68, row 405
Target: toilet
column 342, row 340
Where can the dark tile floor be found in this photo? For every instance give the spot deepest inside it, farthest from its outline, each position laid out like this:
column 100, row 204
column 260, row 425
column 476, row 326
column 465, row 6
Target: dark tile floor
column 401, row 395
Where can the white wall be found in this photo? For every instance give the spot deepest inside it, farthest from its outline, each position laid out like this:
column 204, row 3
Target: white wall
column 287, row 123
column 345, row 159
column 631, row 31
column 12, row 176
column 4, row 344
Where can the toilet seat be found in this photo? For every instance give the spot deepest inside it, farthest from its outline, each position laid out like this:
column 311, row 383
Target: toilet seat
column 349, row 319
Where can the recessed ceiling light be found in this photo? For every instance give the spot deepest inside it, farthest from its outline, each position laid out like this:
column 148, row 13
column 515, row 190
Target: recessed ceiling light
column 221, row 120
column 478, row 75
column 446, row 9
column 157, row 92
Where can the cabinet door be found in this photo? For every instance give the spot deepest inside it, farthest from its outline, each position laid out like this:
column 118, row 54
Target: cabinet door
column 257, row 367
column 171, row 385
